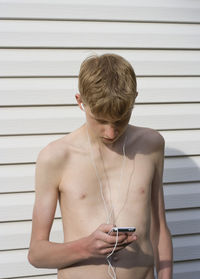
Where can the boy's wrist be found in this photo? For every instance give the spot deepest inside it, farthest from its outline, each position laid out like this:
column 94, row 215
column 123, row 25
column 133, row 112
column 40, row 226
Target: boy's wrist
column 82, row 249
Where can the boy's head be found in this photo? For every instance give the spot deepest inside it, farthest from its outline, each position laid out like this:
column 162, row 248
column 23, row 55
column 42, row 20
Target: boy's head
column 107, row 84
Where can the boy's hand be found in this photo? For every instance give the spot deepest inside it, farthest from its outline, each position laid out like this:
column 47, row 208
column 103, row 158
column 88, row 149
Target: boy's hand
column 100, row 243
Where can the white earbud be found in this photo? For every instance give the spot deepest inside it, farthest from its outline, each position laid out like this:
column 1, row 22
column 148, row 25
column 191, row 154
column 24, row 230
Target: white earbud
column 82, row 106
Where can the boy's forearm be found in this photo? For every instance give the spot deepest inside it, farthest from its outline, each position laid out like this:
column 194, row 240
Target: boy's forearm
column 46, row 254
column 165, row 269
column 165, row 274
column 165, row 257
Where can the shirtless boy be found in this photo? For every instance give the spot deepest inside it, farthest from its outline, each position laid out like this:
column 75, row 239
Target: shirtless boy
column 105, row 174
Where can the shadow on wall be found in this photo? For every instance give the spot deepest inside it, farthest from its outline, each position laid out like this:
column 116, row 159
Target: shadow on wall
column 182, row 202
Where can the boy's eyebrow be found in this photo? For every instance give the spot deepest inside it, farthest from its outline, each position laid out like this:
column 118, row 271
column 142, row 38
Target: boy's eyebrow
column 96, row 118
column 111, row 121
column 99, row 119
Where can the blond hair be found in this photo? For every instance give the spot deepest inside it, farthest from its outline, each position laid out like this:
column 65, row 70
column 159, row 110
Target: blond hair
column 107, row 84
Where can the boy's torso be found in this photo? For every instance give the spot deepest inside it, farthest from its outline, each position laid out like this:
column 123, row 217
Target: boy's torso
column 82, row 207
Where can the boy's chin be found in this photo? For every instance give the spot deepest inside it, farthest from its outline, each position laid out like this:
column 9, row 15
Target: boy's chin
column 105, row 140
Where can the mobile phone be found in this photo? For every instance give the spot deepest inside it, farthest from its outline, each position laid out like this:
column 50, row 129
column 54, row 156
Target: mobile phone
column 123, row 229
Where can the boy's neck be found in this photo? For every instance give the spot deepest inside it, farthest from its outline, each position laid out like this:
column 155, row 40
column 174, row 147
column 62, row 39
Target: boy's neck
column 115, row 146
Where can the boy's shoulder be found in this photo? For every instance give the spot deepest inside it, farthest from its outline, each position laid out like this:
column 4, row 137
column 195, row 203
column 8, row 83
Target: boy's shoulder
column 53, row 152
column 148, row 137
column 60, row 148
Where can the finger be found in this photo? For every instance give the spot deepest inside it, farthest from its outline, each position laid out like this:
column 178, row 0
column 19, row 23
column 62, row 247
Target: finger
column 113, row 239
column 108, row 248
column 124, row 238
column 107, row 251
column 110, row 240
column 105, row 227
column 128, row 241
column 132, row 237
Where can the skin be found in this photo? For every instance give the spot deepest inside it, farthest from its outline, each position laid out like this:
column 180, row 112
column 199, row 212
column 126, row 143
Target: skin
column 64, row 172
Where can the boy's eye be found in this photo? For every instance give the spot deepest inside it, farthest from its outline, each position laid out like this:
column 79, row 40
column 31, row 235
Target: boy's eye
column 102, row 121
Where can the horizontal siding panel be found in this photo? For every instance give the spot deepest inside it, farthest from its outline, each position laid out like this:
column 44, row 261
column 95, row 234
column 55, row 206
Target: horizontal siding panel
column 168, row 89
column 25, row 149
column 180, row 143
column 62, row 119
column 16, row 235
column 20, row 266
column 38, row 91
column 19, row 178
column 162, row 117
column 178, row 11
column 74, row 34
column 184, row 221
column 182, row 195
column 186, row 247
column 18, row 207
column 187, row 270
column 183, row 169
column 61, row 91
column 66, row 62
column 40, row 120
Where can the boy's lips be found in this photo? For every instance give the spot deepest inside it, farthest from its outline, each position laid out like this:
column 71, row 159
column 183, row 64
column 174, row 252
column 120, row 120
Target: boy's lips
column 109, row 139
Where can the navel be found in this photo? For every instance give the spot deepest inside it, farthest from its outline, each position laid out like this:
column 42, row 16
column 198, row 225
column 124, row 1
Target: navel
column 115, row 258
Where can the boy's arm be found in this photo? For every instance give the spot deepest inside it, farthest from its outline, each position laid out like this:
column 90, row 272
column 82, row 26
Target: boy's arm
column 46, row 254
column 160, row 234
column 42, row 252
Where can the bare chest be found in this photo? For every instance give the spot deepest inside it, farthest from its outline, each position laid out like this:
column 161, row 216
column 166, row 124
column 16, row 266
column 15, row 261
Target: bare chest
column 124, row 187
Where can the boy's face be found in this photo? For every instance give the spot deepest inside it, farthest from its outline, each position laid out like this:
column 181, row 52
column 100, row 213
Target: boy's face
column 106, row 130
column 102, row 128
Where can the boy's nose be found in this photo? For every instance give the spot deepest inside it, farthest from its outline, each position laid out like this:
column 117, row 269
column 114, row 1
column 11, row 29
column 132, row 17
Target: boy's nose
column 110, row 132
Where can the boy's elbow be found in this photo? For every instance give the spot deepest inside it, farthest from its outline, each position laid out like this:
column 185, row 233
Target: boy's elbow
column 32, row 258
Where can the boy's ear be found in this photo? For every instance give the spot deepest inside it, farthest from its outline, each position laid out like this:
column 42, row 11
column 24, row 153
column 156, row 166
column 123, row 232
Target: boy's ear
column 79, row 101
column 78, row 97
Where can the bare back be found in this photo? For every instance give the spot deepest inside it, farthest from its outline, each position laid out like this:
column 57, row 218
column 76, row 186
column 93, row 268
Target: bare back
column 83, row 210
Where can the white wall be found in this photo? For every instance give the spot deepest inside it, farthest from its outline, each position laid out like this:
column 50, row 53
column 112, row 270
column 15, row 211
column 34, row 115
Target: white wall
column 42, row 44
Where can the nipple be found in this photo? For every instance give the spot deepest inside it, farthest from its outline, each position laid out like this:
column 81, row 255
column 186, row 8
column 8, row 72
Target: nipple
column 82, row 196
